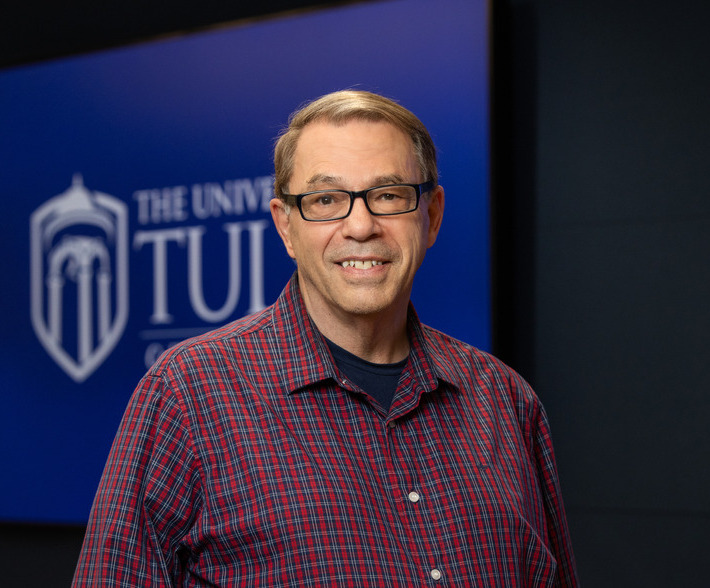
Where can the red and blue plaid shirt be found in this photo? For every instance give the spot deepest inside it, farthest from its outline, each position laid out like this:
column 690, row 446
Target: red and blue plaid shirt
column 246, row 459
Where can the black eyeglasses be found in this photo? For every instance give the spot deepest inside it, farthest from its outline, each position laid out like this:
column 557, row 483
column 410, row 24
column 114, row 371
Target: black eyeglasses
column 328, row 205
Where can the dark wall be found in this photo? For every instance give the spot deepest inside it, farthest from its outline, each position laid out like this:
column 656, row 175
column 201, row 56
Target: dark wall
column 609, row 312
column 602, row 203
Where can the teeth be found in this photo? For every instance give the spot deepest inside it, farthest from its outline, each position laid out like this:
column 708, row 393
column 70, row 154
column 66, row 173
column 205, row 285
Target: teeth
column 360, row 264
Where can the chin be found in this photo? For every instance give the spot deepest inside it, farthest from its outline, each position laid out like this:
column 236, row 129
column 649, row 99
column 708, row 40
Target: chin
column 365, row 307
column 370, row 301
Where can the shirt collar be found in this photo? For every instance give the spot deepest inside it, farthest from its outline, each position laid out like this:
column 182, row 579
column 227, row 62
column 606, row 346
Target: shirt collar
column 306, row 359
column 432, row 366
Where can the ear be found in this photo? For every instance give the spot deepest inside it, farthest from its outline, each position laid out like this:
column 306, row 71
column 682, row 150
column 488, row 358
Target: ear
column 282, row 221
column 435, row 208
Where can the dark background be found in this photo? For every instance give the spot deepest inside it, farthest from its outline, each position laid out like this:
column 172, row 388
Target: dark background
column 601, row 197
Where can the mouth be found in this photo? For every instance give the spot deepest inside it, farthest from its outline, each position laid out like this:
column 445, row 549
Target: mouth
column 360, row 264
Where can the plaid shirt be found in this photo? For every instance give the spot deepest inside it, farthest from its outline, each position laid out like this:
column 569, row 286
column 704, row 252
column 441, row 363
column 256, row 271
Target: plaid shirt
column 246, row 459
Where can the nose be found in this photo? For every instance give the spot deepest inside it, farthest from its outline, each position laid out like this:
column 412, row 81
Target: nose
column 359, row 224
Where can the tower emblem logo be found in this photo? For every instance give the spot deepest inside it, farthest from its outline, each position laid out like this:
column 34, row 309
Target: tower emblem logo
column 79, row 277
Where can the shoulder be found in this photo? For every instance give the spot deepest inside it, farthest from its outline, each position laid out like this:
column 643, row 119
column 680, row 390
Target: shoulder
column 476, row 371
column 215, row 349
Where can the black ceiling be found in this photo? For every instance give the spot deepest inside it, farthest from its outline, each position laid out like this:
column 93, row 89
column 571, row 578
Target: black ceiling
column 34, row 30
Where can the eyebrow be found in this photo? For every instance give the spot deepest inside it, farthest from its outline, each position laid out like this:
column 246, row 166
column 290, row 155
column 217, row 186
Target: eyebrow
column 326, row 180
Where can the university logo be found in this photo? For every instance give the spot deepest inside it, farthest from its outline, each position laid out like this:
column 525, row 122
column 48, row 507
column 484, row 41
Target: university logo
column 79, row 277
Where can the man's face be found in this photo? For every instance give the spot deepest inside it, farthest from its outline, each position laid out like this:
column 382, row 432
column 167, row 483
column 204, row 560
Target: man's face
column 356, row 156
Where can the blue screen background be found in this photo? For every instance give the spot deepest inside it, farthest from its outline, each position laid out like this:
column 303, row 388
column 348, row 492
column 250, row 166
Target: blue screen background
column 200, row 109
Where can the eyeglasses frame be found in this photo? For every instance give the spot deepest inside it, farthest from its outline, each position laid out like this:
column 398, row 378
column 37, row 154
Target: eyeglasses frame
column 419, row 188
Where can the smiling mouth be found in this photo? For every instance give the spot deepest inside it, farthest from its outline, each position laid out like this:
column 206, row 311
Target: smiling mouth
column 359, row 264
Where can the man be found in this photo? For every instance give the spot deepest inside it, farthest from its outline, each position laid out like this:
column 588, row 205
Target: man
column 332, row 439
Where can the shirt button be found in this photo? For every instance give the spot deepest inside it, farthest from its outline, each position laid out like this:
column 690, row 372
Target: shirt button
column 392, row 424
column 435, row 574
column 414, row 497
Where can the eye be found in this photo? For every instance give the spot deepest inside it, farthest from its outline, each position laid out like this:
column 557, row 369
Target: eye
column 389, row 194
column 325, row 202
column 324, row 199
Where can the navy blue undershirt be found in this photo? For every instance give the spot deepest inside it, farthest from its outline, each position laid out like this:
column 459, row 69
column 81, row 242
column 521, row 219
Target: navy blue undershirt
column 379, row 380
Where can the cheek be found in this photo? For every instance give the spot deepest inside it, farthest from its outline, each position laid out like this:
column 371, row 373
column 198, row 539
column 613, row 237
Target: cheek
column 424, row 237
column 308, row 243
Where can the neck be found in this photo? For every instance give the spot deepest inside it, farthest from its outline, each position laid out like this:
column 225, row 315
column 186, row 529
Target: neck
column 379, row 338
column 371, row 340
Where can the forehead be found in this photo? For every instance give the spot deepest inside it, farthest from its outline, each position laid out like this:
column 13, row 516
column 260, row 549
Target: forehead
column 354, row 152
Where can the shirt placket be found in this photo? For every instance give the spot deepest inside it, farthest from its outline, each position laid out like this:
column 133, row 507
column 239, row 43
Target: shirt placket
column 411, row 501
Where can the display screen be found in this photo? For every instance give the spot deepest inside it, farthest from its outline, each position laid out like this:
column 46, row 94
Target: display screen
column 136, row 186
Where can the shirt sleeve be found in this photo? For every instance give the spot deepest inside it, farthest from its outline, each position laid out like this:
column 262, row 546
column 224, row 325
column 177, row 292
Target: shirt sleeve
column 558, row 532
column 148, row 497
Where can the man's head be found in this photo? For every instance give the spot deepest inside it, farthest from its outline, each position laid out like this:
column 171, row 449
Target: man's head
column 362, row 263
column 340, row 107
